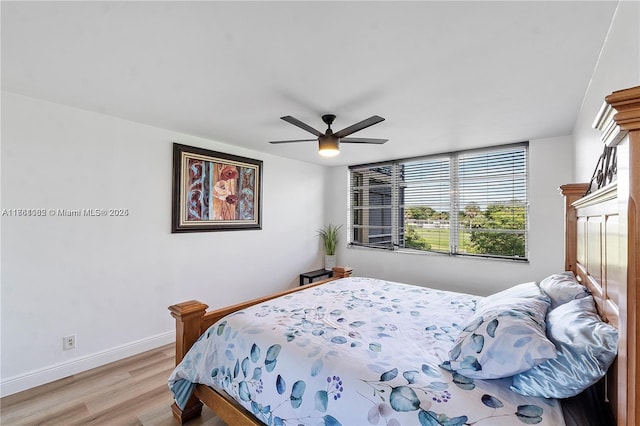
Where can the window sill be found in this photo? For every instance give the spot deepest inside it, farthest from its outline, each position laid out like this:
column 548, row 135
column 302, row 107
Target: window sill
column 438, row 254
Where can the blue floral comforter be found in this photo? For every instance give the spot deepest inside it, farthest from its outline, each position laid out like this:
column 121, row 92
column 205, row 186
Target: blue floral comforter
column 355, row 351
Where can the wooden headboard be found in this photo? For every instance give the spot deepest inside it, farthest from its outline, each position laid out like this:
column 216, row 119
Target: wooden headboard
column 602, row 245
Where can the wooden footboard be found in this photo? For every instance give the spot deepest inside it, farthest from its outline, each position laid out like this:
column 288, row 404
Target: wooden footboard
column 192, row 319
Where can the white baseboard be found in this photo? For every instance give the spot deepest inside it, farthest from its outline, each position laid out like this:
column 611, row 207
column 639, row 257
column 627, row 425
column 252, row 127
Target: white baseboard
column 65, row 369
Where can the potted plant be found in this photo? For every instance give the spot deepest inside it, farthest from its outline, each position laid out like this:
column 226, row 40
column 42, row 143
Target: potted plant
column 330, row 236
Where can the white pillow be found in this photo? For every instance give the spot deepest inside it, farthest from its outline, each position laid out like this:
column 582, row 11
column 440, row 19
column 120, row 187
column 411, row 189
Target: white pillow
column 562, row 288
column 527, row 290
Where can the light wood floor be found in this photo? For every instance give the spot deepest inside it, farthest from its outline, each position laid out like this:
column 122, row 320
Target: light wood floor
column 132, row 391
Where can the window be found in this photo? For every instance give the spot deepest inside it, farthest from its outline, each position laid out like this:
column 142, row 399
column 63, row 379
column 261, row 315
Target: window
column 464, row 203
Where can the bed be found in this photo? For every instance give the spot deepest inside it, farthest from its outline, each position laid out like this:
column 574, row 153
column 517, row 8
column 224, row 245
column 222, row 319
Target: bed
column 437, row 373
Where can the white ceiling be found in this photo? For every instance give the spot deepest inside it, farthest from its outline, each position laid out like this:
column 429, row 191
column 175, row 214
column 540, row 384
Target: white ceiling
column 445, row 75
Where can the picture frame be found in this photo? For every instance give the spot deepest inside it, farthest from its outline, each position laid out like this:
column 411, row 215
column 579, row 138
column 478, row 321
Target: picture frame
column 215, row 191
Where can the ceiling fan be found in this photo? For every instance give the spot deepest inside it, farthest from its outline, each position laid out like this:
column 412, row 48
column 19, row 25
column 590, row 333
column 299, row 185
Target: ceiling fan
column 329, row 142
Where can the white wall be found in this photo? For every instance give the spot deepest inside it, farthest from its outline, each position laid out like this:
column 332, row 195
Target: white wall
column 550, row 166
column 110, row 280
column 618, row 68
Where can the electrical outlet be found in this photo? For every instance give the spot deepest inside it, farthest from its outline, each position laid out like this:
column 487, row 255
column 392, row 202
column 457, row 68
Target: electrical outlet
column 69, row 342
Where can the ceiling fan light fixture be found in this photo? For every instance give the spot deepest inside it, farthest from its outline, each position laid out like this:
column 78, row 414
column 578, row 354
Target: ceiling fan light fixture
column 328, row 146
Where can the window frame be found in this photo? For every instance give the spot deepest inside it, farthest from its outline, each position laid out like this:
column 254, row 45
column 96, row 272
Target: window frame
column 359, row 222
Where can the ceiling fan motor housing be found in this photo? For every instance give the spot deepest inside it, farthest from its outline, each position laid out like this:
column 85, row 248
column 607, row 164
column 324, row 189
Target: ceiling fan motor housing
column 328, row 119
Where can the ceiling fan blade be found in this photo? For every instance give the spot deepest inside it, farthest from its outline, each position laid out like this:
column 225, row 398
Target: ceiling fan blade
column 296, row 140
column 363, row 140
column 359, row 126
column 289, row 119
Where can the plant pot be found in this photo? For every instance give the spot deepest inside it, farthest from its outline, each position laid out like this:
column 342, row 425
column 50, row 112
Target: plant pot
column 329, row 261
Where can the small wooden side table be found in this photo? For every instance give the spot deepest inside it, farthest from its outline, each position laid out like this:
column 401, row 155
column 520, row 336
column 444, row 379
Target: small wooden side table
column 312, row 275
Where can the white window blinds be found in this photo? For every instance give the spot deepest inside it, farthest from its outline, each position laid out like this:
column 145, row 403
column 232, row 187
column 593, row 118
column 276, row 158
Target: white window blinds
column 468, row 202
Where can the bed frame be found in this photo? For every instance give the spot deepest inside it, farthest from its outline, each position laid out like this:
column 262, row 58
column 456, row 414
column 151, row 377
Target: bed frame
column 602, row 247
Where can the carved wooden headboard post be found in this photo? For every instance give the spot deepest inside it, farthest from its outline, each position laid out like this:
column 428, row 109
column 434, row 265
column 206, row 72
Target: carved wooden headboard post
column 571, row 192
column 619, row 122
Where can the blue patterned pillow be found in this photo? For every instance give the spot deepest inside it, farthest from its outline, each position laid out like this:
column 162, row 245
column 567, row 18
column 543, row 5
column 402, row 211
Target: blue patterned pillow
column 586, row 348
column 504, row 337
column 563, row 287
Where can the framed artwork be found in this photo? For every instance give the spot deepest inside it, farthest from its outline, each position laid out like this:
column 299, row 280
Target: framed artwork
column 213, row 191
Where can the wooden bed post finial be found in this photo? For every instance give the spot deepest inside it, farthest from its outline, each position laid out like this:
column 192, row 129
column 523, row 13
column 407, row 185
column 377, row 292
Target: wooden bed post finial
column 342, row 271
column 188, row 317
